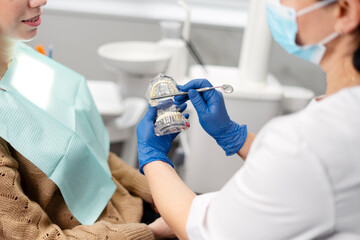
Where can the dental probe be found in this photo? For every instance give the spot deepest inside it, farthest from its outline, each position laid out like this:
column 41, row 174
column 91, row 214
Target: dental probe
column 226, row 88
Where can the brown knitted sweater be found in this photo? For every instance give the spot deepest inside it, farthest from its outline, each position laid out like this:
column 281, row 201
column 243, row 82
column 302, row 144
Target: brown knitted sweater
column 32, row 207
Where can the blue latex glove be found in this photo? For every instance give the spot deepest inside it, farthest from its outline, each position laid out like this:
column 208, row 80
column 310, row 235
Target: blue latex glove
column 213, row 116
column 151, row 147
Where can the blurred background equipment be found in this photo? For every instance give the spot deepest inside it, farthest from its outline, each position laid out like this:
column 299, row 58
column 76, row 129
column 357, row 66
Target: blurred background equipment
column 137, row 39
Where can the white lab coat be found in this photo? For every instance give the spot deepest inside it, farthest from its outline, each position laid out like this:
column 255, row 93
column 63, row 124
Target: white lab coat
column 301, row 180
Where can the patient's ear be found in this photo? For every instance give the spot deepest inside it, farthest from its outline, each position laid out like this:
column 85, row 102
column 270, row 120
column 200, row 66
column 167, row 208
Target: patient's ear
column 348, row 16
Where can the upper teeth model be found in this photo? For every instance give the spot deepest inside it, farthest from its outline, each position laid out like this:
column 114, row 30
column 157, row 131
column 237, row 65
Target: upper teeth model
column 160, row 86
column 163, row 87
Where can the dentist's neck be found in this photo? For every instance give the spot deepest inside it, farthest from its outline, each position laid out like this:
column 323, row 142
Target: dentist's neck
column 338, row 64
column 6, row 53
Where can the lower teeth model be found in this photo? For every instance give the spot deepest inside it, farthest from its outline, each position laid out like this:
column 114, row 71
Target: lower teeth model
column 169, row 116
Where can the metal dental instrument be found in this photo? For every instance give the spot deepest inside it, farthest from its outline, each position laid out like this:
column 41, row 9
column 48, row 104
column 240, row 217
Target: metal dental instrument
column 226, row 88
column 195, row 54
column 186, row 37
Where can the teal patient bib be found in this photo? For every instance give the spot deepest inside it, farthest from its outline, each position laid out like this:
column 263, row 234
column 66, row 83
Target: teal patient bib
column 48, row 115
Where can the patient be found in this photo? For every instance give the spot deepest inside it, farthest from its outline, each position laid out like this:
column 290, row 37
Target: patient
column 58, row 179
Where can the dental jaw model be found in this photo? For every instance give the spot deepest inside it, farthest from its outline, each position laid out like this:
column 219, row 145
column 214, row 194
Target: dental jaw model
column 169, row 119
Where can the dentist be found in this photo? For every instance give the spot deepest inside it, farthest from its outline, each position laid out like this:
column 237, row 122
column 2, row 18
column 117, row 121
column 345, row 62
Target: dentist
column 301, row 178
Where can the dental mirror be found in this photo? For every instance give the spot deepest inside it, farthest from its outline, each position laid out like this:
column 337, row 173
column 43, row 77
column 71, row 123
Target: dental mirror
column 226, row 88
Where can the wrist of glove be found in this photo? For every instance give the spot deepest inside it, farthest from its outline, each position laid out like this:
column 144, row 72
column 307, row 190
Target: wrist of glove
column 151, row 147
column 232, row 139
column 148, row 154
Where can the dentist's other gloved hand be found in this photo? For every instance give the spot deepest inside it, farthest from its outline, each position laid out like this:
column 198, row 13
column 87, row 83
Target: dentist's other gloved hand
column 213, row 116
column 151, row 147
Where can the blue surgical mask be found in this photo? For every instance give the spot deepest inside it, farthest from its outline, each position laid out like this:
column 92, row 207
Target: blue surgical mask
column 283, row 25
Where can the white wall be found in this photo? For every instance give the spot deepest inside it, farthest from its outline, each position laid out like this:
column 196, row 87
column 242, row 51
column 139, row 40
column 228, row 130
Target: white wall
column 77, row 37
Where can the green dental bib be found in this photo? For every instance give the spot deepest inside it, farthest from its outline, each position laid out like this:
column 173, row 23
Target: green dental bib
column 48, row 115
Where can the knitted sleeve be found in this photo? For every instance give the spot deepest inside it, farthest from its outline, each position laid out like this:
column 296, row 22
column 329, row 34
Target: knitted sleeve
column 130, row 178
column 21, row 218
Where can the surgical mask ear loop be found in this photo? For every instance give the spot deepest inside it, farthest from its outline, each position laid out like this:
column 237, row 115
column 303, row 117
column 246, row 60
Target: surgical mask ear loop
column 314, row 7
column 331, row 37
